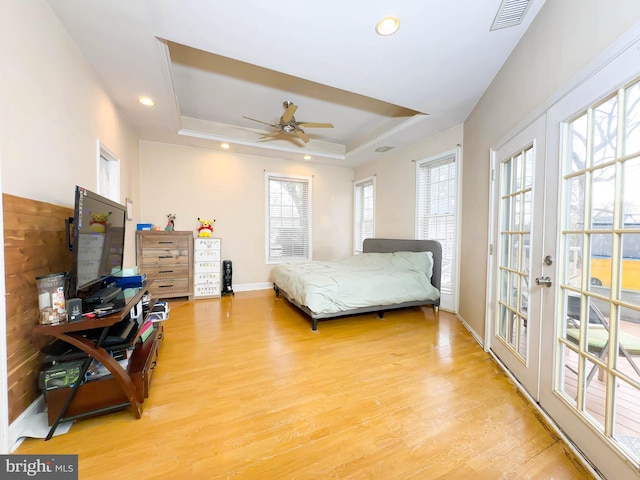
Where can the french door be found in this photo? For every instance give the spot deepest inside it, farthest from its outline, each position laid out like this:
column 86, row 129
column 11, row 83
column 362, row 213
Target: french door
column 592, row 380
column 518, row 200
column 564, row 291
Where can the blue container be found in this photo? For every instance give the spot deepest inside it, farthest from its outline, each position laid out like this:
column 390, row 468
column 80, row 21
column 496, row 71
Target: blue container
column 131, row 281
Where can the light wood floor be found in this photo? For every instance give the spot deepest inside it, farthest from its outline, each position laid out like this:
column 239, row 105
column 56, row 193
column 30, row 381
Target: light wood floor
column 244, row 389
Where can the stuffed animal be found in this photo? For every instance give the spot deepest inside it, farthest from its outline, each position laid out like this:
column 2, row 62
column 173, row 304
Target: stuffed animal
column 170, row 222
column 99, row 222
column 206, row 227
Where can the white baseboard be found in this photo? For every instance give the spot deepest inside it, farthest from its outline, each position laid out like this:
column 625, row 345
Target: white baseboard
column 473, row 333
column 19, row 426
column 249, row 287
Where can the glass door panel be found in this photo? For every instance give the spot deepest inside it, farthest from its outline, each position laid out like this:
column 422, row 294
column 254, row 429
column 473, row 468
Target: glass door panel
column 515, row 329
column 598, row 329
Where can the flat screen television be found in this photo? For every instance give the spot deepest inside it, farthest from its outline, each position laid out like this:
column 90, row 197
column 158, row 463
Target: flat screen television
column 97, row 243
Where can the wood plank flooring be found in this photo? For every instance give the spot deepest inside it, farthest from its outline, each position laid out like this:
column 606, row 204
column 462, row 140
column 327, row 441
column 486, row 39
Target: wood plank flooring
column 245, row 389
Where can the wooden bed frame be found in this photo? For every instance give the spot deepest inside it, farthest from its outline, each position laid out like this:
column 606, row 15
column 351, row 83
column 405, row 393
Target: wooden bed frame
column 384, row 245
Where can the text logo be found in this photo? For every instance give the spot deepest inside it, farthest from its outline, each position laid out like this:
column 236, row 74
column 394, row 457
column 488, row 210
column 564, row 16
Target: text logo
column 39, row 467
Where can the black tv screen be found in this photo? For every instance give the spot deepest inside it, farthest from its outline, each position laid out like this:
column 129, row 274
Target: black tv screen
column 98, row 241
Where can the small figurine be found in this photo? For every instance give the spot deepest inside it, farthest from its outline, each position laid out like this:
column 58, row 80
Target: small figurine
column 99, row 222
column 170, row 222
column 206, row 227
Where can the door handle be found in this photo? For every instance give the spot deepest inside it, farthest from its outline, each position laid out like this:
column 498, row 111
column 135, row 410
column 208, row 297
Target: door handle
column 545, row 281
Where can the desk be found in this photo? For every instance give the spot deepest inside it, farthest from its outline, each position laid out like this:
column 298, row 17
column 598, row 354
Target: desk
column 120, row 389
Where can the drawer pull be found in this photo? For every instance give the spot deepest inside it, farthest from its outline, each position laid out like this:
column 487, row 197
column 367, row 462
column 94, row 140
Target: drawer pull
column 168, row 242
column 165, row 286
column 165, row 256
column 165, row 271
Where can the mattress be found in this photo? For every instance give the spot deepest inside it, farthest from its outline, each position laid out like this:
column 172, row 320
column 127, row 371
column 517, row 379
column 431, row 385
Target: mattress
column 368, row 279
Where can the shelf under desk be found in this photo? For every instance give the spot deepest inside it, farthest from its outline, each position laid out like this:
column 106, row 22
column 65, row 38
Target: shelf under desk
column 123, row 387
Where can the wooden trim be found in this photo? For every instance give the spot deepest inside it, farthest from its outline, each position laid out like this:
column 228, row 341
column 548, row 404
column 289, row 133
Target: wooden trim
column 34, row 245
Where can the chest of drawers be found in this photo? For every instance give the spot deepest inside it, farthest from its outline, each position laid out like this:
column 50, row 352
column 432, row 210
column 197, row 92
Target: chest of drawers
column 206, row 268
column 167, row 260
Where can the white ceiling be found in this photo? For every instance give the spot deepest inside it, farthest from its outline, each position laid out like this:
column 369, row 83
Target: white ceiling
column 209, row 63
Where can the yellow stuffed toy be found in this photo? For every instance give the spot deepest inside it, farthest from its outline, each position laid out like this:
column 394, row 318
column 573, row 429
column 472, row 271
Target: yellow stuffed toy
column 99, row 222
column 206, row 227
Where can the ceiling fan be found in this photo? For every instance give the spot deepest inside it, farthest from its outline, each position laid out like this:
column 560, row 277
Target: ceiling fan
column 288, row 124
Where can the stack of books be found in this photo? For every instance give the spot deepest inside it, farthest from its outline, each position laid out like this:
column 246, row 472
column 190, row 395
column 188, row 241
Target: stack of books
column 146, row 330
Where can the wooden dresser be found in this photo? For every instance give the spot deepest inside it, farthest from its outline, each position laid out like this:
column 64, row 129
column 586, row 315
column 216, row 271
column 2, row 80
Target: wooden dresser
column 167, row 259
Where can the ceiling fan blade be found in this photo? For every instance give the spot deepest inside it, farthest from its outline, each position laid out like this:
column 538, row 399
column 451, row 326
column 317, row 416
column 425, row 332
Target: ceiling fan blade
column 288, row 113
column 270, row 135
column 260, row 121
column 315, row 125
column 302, row 135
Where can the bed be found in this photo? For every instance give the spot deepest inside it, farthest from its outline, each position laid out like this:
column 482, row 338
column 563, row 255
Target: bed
column 389, row 274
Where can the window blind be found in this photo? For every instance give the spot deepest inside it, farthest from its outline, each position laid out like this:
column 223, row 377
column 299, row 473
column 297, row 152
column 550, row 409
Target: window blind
column 288, row 218
column 364, row 212
column 436, row 218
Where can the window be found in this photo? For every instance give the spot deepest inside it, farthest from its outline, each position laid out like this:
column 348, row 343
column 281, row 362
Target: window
column 436, row 209
column 364, row 196
column 108, row 174
column 288, row 218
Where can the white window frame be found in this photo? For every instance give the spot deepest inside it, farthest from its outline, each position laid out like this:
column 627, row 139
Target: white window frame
column 270, row 259
column 358, row 212
column 448, row 290
column 108, row 173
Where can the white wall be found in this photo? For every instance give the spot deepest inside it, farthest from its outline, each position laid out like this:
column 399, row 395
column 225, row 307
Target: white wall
column 195, row 182
column 53, row 111
column 565, row 36
column 396, row 183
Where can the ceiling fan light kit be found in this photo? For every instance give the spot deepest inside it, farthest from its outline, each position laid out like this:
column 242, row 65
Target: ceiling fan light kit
column 288, row 124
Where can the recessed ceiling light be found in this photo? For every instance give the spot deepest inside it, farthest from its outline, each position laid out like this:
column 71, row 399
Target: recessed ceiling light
column 148, row 101
column 387, row 26
column 224, row 145
column 307, row 157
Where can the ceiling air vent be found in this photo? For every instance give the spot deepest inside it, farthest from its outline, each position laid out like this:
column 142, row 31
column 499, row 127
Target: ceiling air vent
column 510, row 13
column 384, row 148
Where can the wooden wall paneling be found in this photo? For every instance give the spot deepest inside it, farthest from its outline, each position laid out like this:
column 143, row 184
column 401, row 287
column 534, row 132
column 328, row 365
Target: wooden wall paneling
column 34, row 245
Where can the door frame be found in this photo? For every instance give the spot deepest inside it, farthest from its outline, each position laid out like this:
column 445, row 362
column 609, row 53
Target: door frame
column 4, row 377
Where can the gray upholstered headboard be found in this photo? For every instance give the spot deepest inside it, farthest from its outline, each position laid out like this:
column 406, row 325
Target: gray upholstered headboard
column 390, row 245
